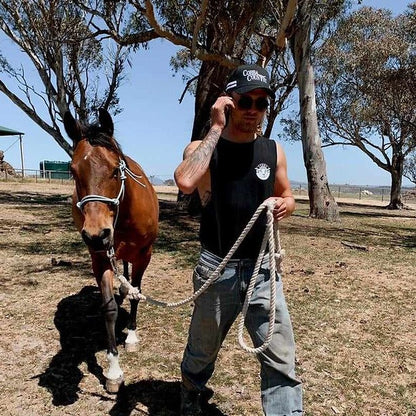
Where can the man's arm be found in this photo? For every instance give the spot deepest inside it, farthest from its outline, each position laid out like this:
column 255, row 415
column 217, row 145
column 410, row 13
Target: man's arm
column 196, row 161
column 198, row 154
column 285, row 203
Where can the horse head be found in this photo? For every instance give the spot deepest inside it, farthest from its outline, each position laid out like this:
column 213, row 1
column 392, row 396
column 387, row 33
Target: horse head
column 97, row 168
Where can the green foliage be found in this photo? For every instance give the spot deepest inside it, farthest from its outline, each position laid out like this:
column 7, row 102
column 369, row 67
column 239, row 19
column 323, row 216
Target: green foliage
column 366, row 78
column 409, row 170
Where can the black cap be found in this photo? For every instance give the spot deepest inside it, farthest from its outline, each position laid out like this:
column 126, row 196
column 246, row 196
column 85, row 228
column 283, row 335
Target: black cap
column 246, row 78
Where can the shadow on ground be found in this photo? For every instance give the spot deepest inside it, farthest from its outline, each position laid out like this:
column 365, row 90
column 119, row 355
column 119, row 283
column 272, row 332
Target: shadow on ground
column 82, row 332
column 22, row 198
column 161, row 398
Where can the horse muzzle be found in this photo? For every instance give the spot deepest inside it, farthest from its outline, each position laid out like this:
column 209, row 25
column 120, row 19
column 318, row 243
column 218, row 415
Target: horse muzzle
column 102, row 240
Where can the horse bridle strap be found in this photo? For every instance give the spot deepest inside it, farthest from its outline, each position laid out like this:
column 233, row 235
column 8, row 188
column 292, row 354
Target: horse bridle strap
column 113, row 201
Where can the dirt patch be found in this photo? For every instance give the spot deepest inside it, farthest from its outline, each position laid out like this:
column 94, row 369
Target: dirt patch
column 352, row 311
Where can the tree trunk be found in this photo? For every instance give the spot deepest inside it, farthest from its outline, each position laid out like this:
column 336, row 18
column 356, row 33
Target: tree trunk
column 321, row 202
column 211, row 83
column 396, row 173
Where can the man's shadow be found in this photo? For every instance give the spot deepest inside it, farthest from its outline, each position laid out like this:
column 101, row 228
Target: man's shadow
column 161, row 398
column 81, row 326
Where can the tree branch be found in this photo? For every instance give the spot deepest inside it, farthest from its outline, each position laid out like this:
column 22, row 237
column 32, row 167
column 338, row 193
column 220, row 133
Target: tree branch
column 34, row 116
column 285, row 24
column 186, row 87
column 198, row 24
column 199, row 53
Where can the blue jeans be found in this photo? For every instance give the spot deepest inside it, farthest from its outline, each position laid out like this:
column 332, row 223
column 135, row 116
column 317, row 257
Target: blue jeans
column 214, row 313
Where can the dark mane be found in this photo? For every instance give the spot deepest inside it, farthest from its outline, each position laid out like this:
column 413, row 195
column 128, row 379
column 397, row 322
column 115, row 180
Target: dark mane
column 96, row 136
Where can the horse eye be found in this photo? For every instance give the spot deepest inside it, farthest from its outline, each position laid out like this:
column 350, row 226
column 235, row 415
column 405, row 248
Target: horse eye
column 115, row 173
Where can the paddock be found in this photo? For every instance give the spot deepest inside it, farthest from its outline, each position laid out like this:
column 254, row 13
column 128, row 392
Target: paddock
column 353, row 311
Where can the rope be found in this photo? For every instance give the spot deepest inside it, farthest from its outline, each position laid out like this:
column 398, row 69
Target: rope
column 271, row 237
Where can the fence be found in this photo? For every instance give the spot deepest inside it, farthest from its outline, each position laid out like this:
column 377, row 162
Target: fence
column 380, row 193
column 37, row 176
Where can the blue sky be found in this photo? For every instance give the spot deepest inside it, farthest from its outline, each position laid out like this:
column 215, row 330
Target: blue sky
column 154, row 128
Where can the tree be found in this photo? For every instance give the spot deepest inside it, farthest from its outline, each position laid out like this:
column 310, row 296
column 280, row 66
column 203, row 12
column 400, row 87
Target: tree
column 366, row 84
column 216, row 36
column 270, row 48
column 56, row 37
column 321, row 202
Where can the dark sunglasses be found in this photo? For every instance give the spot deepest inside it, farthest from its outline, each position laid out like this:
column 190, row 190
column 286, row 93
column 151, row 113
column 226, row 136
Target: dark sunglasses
column 246, row 103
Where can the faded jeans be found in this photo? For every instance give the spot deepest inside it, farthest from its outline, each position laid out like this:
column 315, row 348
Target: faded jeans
column 214, row 313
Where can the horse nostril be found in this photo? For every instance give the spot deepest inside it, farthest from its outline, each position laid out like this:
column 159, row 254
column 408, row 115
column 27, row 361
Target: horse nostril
column 105, row 235
column 101, row 241
column 86, row 237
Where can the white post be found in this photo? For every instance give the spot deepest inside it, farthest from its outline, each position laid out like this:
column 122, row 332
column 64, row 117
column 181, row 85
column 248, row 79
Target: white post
column 21, row 155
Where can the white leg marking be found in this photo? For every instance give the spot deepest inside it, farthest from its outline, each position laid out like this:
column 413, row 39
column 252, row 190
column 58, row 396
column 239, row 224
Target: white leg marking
column 114, row 370
column 132, row 337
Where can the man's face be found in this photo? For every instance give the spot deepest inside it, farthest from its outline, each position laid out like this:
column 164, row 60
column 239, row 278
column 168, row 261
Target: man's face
column 249, row 110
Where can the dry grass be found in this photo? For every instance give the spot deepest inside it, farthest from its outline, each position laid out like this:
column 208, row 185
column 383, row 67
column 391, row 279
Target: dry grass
column 353, row 313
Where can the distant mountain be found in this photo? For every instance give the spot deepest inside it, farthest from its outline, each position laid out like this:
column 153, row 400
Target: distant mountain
column 156, row 180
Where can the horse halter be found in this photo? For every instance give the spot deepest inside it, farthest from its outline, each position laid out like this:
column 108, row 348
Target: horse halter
column 113, row 201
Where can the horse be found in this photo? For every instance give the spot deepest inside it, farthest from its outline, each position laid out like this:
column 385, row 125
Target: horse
column 115, row 208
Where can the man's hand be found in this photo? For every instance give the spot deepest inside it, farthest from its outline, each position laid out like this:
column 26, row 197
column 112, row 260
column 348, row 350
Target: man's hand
column 280, row 209
column 219, row 110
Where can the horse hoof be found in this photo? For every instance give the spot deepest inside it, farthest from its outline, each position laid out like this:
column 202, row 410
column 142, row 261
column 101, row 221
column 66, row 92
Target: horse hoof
column 131, row 346
column 113, row 385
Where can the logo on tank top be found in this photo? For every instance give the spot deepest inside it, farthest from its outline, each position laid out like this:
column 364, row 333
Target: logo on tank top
column 263, row 171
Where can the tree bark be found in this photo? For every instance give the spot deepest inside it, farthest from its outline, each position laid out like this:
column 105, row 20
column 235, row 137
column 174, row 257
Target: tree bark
column 321, row 202
column 396, row 173
column 211, row 81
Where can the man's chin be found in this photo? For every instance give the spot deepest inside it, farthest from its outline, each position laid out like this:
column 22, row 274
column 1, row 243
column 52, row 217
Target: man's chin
column 249, row 127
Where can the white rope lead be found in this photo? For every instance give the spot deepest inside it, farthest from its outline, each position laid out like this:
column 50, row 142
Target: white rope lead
column 271, row 237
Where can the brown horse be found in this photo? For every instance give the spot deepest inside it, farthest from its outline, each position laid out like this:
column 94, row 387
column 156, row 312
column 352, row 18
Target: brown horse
column 115, row 208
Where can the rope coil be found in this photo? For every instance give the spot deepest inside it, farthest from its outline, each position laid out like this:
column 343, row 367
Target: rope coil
column 271, row 238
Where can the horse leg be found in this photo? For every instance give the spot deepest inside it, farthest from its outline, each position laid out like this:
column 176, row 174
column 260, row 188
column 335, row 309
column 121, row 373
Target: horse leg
column 114, row 375
column 124, row 290
column 138, row 269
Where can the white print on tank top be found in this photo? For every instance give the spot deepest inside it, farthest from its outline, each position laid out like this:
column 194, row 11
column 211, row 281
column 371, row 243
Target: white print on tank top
column 263, row 171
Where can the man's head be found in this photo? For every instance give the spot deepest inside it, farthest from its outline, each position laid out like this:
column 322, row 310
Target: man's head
column 246, row 78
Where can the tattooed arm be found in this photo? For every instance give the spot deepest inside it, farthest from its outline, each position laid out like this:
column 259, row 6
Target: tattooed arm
column 197, row 155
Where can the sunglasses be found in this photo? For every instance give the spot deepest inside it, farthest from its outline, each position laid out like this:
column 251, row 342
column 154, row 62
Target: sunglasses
column 246, row 103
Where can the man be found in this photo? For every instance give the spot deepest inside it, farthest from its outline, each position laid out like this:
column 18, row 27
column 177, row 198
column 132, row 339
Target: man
column 234, row 171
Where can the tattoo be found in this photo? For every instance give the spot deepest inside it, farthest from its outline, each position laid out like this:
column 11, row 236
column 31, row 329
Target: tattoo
column 199, row 159
column 206, row 198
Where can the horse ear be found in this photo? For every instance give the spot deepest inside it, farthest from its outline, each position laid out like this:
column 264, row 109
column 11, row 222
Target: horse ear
column 72, row 127
column 106, row 121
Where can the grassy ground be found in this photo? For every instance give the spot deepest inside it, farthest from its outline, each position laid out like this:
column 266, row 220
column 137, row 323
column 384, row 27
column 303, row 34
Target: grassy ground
column 353, row 311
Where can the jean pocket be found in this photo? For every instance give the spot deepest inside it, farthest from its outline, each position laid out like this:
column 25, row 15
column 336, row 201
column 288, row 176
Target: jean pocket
column 202, row 273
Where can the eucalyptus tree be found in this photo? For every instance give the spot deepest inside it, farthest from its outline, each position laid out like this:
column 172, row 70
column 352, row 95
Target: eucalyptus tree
column 313, row 19
column 366, row 85
column 215, row 37
column 55, row 38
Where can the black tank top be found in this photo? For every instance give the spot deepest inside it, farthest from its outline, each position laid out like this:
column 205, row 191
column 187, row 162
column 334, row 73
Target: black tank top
column 242, row 177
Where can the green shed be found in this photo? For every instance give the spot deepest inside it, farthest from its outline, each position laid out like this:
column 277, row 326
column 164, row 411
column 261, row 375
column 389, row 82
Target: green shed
column 55, row 169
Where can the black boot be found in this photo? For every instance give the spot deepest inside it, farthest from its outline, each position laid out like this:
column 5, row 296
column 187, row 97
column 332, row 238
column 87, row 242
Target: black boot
column 190, row 405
